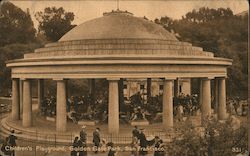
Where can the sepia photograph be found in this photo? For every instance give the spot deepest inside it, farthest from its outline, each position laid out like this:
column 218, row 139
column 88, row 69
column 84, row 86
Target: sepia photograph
column 124, row 78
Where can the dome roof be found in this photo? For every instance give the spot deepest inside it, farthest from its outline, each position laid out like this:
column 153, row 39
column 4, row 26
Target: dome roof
column 118, row 24
column 116, row 34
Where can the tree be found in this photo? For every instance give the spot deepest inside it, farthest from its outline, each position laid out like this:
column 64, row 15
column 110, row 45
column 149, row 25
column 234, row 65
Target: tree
column 16, row 25
column 17, row 36
column 10, row 52
column 220, row 32
column 166, row 21
column 205, row 14
column 54, row 22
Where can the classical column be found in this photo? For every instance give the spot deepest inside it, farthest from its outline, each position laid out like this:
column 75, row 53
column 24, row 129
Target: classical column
column 67, row 91
column 21, row 95
column 206, row 98
column 27, row 103
column 61, row 116
column 176, row 87
column 40, row 93
column 200, row 93
column 149, row 82
column 15, row 113
column 222, row 114
column 168, row 120
column 216, row 95
column 92, row 88
column 121, row 93
column 186, row 86
column 113, row 118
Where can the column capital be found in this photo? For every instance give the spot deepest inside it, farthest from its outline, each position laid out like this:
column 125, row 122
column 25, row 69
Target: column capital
column 169, row 78
column 24, row 79
column 59, row 79
column 113, row 79
column 207, row 78
column 220, row 78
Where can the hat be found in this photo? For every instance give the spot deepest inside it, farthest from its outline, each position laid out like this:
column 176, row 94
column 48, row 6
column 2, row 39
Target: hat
column 76, row 136
column 157, row 137
column 110, row 144
column 83, row 126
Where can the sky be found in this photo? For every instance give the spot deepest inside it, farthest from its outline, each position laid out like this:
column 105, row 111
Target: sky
column 88, row 9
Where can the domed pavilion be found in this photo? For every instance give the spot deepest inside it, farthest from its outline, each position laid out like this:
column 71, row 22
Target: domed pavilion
column 114, row 46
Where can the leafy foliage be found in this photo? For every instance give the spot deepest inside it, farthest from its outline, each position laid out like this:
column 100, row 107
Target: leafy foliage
column 215, row 138
column 54, row 22
column 205, row 14
column 10, row 52
column 220, row 32
column 17, row 36
column 16, row 25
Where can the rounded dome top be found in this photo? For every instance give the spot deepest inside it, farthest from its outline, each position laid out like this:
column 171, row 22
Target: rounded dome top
column 117, row 25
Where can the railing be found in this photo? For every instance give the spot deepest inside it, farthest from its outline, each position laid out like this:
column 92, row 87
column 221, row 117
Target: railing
column 59, row 139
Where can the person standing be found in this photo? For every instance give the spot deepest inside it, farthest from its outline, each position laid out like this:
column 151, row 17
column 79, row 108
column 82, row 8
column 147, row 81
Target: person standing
column 75, row 145
column 134, row 146
column 158, row 147
column 12, row 141
column 3, row 148
column 112, row 151
column 134, row 143
column 82, row 146
column 96, row 138
column 135, row 132
column 180, row 113
column 143, row 143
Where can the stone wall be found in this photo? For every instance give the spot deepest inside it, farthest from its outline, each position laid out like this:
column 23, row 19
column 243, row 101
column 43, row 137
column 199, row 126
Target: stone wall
column 119, row 47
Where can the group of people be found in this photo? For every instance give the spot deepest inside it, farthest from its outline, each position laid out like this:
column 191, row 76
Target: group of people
column 236, row 106
column 80, row 143
column 88, row 107
column 152, row 109
column 190, row 103
column 48, row 106
column 140, row 143
column 85, row 108
column 79, row 108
